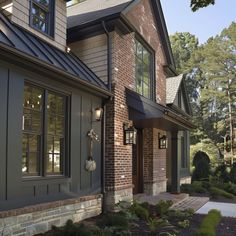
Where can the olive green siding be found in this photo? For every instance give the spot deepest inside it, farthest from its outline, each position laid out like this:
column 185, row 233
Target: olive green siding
column 17, row 191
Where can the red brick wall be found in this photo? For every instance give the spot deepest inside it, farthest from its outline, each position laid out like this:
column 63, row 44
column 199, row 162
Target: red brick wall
column 141, row 17
column 119, row 156
column 154, row 158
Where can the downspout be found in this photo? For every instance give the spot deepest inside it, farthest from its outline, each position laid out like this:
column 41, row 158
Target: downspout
column 103, row 158
column 109, row 78
column 109, row 56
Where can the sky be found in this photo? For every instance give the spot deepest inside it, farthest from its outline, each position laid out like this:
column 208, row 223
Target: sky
column 204, row 23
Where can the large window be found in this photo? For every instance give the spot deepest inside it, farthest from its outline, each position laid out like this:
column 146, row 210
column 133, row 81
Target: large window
column 44, row 132
column 143, row 70
column 42, row 15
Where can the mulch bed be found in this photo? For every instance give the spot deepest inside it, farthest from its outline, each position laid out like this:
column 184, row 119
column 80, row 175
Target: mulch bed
column 226, row 227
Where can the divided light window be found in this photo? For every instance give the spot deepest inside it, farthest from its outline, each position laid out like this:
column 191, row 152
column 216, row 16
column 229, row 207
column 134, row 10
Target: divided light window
column 143, row 70
column 44, row 132
column 42, row 15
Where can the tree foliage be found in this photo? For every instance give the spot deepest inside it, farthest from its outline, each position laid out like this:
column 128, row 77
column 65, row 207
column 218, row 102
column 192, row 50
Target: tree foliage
column 211, row 81
column 196, row 4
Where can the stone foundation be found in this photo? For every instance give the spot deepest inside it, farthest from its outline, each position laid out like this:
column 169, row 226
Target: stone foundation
column 185, row 180
column 39, row 218
column 155, row 188
column 113, row 197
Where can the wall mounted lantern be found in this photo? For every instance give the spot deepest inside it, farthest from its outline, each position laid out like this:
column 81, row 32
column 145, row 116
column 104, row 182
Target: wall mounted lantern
column 162, row 141
column 98, row 113
column 130, row 134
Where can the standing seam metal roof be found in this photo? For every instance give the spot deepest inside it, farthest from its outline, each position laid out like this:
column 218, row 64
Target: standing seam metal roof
column 24, row 41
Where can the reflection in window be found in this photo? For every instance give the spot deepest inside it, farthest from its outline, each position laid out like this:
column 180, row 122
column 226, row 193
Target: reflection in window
column 41, row 15
column 43, row 126
column 55, row 132
column 142, row 70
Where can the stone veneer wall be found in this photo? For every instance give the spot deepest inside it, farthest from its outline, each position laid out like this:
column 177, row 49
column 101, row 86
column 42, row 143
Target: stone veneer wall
column 39, row 218
column 185, row 180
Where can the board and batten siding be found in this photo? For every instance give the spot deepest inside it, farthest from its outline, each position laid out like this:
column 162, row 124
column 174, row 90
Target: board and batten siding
column 20, row 16
column 16, row 191
column 93, row 52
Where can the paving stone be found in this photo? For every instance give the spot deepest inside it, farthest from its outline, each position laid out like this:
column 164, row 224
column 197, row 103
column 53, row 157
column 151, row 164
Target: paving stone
column 191, row 202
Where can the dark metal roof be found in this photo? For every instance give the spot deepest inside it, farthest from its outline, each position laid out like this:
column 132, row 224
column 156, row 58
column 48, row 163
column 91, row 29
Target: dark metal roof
column 92, row 10
column 24, row 41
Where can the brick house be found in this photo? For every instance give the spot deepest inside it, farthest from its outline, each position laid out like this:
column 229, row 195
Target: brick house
column 126, row 44
column 56, row 73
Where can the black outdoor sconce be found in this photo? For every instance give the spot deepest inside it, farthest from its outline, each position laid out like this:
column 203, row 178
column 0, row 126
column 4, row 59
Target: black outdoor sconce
column 98, row 113
column 162, row 141
column 130, row 134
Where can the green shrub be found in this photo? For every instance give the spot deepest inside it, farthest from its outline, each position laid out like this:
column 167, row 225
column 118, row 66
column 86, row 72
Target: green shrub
column 113, row 219
column 163, row 206
column 139, row 211
column 198, row 188
column 178, row 215
column 154, row 223
column 187, row 188
column 183, row 224
column 71, row 229
column 232, row 174
column 201, row 162
column 222, row 173
column 216, row 192
column 209, row 224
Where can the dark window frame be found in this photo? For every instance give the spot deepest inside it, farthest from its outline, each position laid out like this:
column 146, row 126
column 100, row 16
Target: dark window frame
column 42, row 166
column 152, row 82
column 50, row 17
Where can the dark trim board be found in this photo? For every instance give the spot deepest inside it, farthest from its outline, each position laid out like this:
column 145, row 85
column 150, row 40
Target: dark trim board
column 3, row 129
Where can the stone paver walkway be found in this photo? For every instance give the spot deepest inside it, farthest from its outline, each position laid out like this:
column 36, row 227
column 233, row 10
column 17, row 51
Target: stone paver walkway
column 194, row 203
column 227, row 209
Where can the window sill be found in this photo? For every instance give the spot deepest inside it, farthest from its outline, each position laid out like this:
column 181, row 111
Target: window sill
column 43, row 33
column 46, row 178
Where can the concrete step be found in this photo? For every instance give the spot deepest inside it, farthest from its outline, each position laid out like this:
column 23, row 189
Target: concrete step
column 194, row 203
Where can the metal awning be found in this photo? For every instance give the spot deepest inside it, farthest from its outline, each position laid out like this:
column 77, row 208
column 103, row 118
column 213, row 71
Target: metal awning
column 146, row 113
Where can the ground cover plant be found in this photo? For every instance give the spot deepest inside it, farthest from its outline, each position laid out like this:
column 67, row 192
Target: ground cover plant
column 136, row 219
column 209, row 223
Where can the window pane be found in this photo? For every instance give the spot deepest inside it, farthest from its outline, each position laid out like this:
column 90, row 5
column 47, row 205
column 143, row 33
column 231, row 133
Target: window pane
column 43, row 2
column 49, row 163
column 32, row 129
column 57, row 145
column 142, row 70
column 59, row 125
column 40, row 15
column 33, row 165
column 36, row 121
column 56, row 132
column 145, row 90
column 51, row 124
column 33, row 143
column 57, row 163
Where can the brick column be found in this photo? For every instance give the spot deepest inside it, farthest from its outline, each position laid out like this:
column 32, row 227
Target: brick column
column 154, row 163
